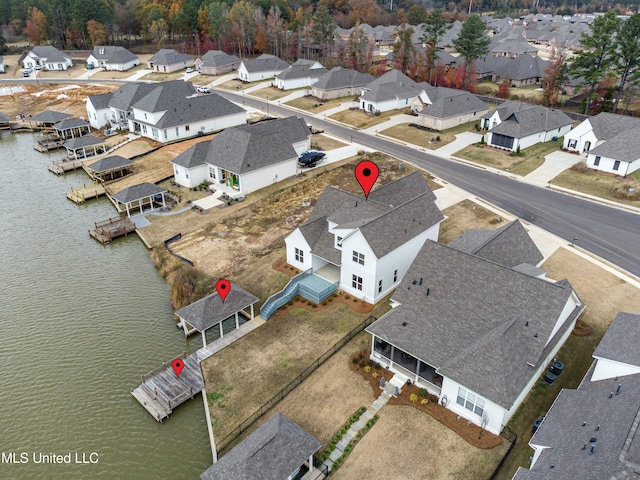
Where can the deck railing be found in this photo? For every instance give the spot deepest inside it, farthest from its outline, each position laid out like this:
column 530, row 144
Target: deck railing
column 278, row 299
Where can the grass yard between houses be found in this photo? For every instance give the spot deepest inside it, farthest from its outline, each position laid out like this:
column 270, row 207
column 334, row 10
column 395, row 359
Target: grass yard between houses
column 272, row 93
column 406, row 443
column 466, row 215
column 253, row 369
column 426, row 139
column 322, row 142
column 237, row 84
column 360, row 119
column 600, row 184
column 528, row 160
column 313, row 105
column 118, row 75
column 604, row 295
column 164, row 77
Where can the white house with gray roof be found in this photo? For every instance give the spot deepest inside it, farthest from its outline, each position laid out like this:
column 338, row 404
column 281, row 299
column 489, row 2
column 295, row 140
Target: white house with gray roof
column 217, row 62
column 278, row 449
column 172, row 111
column 245, row 158
column 447, row 107
column 591, row 433
column 302, row 73
column 476, row 322
column 262, row 68
column 366, row 244
column 167, row 60
column 611, row 141
column 47, row 57
column 340, row 82
column 112, row 58
column 98, row 111
column 391, row 91
column 524, row 127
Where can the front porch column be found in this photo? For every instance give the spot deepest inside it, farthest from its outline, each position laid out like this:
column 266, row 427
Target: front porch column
column 252, row 311
column 163, row 200
column 311, row 463
column 237, row 324
column 417, row 369
column 221, row 330
column 391, row 356
column 204, row 338
column 126, row 206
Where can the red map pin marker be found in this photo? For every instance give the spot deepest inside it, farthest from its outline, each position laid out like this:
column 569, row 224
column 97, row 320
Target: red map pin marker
column 366, row 174
column 177, row 365
column 223, row 287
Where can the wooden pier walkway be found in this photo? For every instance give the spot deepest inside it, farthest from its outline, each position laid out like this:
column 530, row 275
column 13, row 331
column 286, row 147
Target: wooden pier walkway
column 86, row 192
column 45, row 146
column 60, row 167
column 106, row 230
column 162, row 390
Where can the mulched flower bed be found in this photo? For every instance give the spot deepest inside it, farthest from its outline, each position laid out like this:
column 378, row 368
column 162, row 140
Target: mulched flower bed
column 358, row 305
column 582, row 329
column 472, row 433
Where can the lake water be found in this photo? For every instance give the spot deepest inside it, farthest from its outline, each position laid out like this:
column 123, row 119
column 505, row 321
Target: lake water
column 79, row 323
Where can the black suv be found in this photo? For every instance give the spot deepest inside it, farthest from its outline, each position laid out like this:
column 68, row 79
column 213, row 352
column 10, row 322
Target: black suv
column 310, row 158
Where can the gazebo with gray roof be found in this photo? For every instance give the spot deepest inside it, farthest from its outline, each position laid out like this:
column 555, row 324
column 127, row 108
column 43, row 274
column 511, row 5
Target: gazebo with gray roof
column 109, row 168
column 72, row 128
column 86, row 146
column 212, row 311
column 138, row 197
column 48, row 118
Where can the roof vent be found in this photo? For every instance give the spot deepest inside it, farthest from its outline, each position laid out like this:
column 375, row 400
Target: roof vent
column 404, row 324
column 593, row 439
column 593, row 447
column 356, row 203
column 584, row 424
column 618, row 389
column 535, row 335
column 526, row 324
column 428, row 290
column 415, row 282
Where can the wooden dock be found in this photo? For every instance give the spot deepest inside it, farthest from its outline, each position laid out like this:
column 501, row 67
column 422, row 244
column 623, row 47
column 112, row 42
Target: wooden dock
column 45, row 146
column 106, row 230
column 60, row 167
column 86, row 192
column 162, row 390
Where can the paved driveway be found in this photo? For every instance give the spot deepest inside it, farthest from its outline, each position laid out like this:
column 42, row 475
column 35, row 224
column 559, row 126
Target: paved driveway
column 554, row 164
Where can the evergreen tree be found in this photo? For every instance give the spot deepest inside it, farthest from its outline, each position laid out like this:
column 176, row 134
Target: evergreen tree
column 472, row 42
column 435, row 24
column 594, row 62
column 322, row 29
column 628, row 61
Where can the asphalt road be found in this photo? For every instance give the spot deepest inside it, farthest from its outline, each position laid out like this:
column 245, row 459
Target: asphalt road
column 610, row 233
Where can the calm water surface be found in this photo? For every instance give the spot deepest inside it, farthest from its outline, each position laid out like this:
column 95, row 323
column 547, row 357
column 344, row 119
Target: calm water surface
column 79, row 323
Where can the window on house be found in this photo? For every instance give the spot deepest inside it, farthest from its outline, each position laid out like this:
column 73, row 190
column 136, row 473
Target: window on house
column 212, row 173
column 358, row 257
column 154, row 132
column 186, row 128
column 177, row 132
column 470, row 401
column 187, row 174
column 395, row 276
column 356, row 282
column 145, row 116
column 144, row 129
column 299, row 255
column 596, row 161
column 616, row 165
column 380, row 286
column 165, row 134
column 573, row 143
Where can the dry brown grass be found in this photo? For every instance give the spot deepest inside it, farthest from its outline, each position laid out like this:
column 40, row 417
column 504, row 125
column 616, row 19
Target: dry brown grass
column 360, row 119
column 314, row 105
column 406, row 443
column 322, row 142
column 425, row 139
column 272, row 93
column 116, row 75
column 466, row 215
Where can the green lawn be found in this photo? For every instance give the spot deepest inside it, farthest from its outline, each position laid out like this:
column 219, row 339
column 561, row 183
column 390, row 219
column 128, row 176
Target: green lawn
column 163, row 77
column 272, row 93
column 600, row 184
column 314, row 105
column 360, row 119
column 426, row 139
column 529, row 159
column 236, row 84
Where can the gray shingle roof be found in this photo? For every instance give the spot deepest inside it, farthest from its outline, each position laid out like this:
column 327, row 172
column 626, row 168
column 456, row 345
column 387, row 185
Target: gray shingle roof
column 168, row 56
column 49, row 53
column 113, row 54
column 607, row 125
column 517, row 45
column 84, row 141
column 137, row 192
column 531, row 121
column 57, row 56
column 301, row 70
column 522, row 67
column 393, row 84
column 624, row 146
column 509, row 245
column 339, row 77
column 49, row 116
column 273, row 451
column 449, row 102
column 405, row 207
column 194, row 156
column 472, row 326
column 164, row 96
column 211, row 310
column 101, row 100
column 504, row 110
column 246, row 148
column 218, row 58
column 4, row 118
column 264, row 64
column 109, row 163
column 321, row 241
column 620, row 342
column 578, row 416
column 68, row 123
column 192, row 110
column 130, row 93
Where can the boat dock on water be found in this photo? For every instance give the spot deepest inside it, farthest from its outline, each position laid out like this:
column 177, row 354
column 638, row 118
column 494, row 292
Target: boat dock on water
column 49, row 144
column 86, row 192
column 60, row 167
column 107, row 230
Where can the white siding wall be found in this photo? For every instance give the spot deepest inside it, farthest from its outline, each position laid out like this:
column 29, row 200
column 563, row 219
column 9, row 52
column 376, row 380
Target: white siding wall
column 494, row 119
column 582, row 134
column 528, row 141
column 607, row 164
column 606, row 368
column 211, row 125
column 97, row 118
column 367, row 272
column 296, row 240
column 173, row 67
column 122, row 66
column 255, row 76
column 257, row 179
column 295, row 83
column 400, row 259
column 569, row 307
column 190, row 177
column 147, row 117
column 381, row 106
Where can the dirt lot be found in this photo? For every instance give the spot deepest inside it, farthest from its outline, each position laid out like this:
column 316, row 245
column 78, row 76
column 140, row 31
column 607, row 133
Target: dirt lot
column 67, row 99
column 314, row 105
column 426, row 139
column 466, row 215
column 365, row 120
column 406, row 443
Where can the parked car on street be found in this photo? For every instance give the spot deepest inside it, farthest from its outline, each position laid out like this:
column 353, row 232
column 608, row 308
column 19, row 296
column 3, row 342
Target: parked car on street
column 311, row 158
column 204, row 89
column 189, row 70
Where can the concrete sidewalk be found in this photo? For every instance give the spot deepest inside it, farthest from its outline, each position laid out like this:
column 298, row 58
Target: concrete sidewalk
column 393, row 121
column 462, row 140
